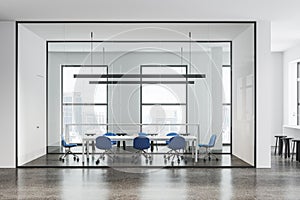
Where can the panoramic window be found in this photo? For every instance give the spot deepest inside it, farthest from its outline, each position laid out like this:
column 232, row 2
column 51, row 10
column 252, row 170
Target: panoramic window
column 84, row 105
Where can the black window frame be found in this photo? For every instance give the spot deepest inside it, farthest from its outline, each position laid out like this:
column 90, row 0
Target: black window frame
column 62, row 104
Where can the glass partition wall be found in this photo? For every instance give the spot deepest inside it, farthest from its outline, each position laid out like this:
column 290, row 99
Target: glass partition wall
column 138, row 103
column 195, row 79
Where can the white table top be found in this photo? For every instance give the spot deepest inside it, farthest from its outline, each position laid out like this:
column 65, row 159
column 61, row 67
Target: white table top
column 131, row 137
column 87, row 138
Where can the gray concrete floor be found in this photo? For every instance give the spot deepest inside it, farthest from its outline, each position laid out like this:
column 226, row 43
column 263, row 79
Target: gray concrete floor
column 282, row 181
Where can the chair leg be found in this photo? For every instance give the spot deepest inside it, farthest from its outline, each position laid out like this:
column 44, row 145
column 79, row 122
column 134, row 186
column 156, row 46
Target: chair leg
column 209, row 155
column 107, row 153
column 213, row 155
column 179, row 156
column 143, row 153
column 206, row 154
column 172, row 155
column 100, row 158
column 147, row 156
column 169, row 154
column 172, row 161
column 68, row 152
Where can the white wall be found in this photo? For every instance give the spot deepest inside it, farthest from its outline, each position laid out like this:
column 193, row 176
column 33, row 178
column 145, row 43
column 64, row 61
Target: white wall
column 289, row 88
column 31, row 96
column 8, row 97
column 242, row 96
column 263, row 98
column 275, row 78
column 54, row 135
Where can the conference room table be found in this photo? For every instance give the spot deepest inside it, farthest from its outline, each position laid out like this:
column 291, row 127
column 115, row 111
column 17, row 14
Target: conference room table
column 86, row 139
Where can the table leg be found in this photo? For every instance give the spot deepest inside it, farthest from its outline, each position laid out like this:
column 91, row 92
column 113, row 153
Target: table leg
column 152, row 146
column 93, row 148
column 124, row 145
column 87, row 150
column 187, row 147
column 193, row 153
column 293, row 150
column 83, row 141
column 276, row 145
column 196, row 151
column 118, row 144
column 289, row 149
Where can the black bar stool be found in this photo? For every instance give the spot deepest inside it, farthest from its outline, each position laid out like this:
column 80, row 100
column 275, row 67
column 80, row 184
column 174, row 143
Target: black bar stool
column 287, row 151
column 296, row 142
column 278, row 140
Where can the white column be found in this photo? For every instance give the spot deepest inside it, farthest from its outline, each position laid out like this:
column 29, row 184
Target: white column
column 263, row 99
column 8, row 97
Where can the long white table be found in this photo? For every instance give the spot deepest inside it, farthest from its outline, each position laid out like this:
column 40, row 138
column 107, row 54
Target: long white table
column 92, row 138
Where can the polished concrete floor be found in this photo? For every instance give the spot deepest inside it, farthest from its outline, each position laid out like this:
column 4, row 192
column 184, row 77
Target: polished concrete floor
column 282, row 181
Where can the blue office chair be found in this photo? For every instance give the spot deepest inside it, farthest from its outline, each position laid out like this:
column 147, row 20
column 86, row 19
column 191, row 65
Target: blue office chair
column 104, row 143
column 208, row 147
column 68, row 150
column 141, row 143
column 171, row 134
column 145, row 134
column 176, row 144
column 111, row 134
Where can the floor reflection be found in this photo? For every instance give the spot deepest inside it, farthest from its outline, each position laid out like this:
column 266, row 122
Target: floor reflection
column 282, row 181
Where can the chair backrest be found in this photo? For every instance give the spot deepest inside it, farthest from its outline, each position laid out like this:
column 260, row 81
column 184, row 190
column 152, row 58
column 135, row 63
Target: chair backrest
column 142, row 134
column 103, row 142
column 172, row 134
column 212, row 140
column 141, row 142
column 110, row 134
column 63, row 142
column 177, row 143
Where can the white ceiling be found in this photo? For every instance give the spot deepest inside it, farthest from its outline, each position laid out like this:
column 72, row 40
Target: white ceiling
column 139, row 31
column 284, row 15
